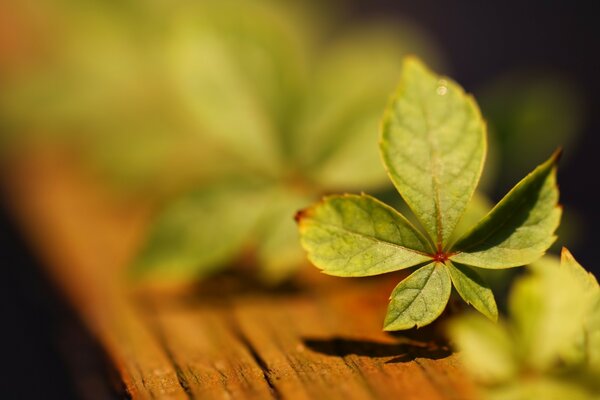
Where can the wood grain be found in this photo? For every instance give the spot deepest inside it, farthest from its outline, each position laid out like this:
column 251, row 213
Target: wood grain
column 229, row 338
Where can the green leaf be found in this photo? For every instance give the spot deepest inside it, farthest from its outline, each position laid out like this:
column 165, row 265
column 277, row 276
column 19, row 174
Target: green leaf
column 433, row 144
column 199, row 232
column 531, row 113
column 473, row 289
column 592, row 336
column 547, row 388
column 486, row 348
column 352, row 235
column 419, row 299
column 222, row 58
column 549, row 300
column 548, row 347
column 586, row 280
column 520, row 228
column 336, row 135
column 478, row 208
column 278, row 253
column 587, row 346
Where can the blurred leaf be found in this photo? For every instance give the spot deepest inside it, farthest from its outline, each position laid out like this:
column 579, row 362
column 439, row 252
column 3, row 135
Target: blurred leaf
column 168, row 98
column 336, row 139
column 200, row 232
column 485, row 347
column 585, row 347
column 535, row 312
column 544, row 388
column 531, row 113
column 592, row 336
column 478, row 207
column 278, row 252
column 237, row 72
column 551, row 336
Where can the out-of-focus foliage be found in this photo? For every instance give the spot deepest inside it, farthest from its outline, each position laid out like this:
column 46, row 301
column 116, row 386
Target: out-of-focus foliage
column 530, row 114
column 548, row 347
column 170, row 97
column 433, row 145
column 235, row 113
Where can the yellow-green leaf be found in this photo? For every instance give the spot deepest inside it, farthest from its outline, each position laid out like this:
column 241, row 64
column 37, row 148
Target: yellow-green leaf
column 433, row 144
column 199, row 232
column 548, row 310
column 520, row 228
column 486, row 348
column 278, row 253
column 336, row 135
column 419, row 299
column 352, row 235
column 473, row 289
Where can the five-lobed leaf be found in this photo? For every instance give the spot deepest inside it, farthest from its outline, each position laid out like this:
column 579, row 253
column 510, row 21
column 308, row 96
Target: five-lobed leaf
column 419, row 299
column 433, row 144
column 352, row 235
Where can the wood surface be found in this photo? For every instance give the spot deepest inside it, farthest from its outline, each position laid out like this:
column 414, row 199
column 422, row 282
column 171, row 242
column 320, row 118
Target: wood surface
column 317, row 337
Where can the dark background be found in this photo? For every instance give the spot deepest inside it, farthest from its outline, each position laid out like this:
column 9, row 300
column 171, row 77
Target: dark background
column 480, row 40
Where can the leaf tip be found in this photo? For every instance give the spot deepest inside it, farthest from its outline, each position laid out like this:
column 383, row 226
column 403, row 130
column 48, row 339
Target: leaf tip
column 413, row 63
column 300, row 214
column 565, row 254
column 303, row 214
column 556, row 156
column 412, row 59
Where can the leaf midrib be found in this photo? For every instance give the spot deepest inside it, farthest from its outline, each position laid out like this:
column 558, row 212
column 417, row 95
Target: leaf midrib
column 420, row 290
column 371, row 238
column 434, row 161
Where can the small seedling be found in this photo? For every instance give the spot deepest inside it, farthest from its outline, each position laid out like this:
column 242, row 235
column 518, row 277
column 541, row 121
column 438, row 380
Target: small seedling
column 433, row 144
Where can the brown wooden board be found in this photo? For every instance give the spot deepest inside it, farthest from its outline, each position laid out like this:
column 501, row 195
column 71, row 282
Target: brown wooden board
column 317, row 337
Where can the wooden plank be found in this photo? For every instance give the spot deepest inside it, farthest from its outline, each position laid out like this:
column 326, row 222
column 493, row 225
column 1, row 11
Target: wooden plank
column 228, row 338
column 84, row 242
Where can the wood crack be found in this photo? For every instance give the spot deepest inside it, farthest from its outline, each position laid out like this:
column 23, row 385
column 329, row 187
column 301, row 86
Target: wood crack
column 266, row 371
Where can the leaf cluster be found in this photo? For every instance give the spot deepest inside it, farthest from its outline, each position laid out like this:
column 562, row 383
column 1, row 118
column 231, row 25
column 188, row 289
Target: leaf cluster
column 284, row 117
column 549, row 345
column 433, row 145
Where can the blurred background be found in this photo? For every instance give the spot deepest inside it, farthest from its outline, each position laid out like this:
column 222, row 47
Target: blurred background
column 238, row 113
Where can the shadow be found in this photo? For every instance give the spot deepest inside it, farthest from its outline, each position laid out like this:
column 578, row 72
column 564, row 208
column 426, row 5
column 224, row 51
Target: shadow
column 218, row 291
column 404, row 350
